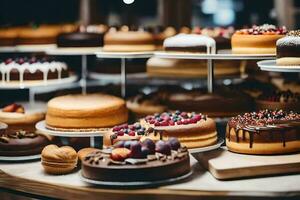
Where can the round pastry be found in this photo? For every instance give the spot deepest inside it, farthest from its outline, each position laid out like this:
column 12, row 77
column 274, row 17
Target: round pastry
column 22, row 116
column 138, row 161
column 31, row 69
column 264, row 132
column 143, row 105
column 164, row 67
column 190, row 43
column 91, row 111
column 128, row 41
column 285, row 100
column 8, row 36
column 123, row 133
column 113, row 66
column 222, row 103
column 59, row 160
column 84, row 152
column 192, row 130
column 221, row 35
column 22, row 143
column 80, row 39
column 257, row 40
column 288, row 49
column 44, row 34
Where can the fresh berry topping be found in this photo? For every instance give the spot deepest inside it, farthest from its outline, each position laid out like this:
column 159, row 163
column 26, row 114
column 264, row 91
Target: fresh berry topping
column 150, row 145
column 174, row 143
column 119, row 144
column 127, row 144
column 265, row 29
column 136, row 150
column 120, row 154
column 162, row 147
column 9, row 60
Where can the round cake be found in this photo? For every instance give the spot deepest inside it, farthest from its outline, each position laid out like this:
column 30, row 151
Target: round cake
column 264, row 132
column 190, row 43
column 222, row 103
column 142, row 105
column 80, row 39
column 288, row 49
column 89, row 111
column 257, row 40
column 22, row 116
column 128, row 41
column 285, row 100
column 160, row 34
column 123, row 132
column 138, row 162
column 8, row 36
column 43, row 34
column 22, row 143
column 24, row 69
column 192, row 130
column 164, row 67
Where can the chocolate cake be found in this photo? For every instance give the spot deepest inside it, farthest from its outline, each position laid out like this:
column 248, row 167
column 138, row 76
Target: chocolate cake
column 29, row 69
column 264, row 132
column 80, row 39
column 22, row 143
column 134, row 161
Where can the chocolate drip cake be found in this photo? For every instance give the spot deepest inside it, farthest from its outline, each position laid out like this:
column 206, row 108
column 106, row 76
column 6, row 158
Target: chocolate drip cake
column 134, row 161
column 32, row 69
column 288, row 49
column 80, row 39
column 264, row 132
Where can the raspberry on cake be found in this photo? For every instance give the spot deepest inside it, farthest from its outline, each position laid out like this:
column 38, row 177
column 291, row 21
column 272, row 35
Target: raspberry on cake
column 257, row 40
column 123, row 133
column 192, row 129
column 264, row 132
column 288, row 49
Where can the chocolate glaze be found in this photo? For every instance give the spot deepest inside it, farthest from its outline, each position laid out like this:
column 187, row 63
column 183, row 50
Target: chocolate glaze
column 266, row 126
column 80, row 39
column 291, row 50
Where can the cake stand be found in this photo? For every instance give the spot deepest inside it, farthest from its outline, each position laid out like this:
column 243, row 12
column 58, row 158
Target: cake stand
column 221, row 55
column 270, row 65
column 77, row 51
column 34, row 48
column 195, row 151
column 138, row 184
column 20, row 158
column 8, row 49
column 123, row 56
column 41, row 127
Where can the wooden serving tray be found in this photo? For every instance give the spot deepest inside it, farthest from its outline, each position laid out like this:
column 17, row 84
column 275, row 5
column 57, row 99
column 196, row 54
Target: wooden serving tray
column 223, row 164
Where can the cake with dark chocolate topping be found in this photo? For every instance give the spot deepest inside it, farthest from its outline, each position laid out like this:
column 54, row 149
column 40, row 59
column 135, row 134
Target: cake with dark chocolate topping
column 264, row 132
column 138, row 161
column 288, row 49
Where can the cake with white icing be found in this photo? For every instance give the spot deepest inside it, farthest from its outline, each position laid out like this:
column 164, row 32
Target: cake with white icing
column 288, row 49
column 31, row 69
column 190, row 43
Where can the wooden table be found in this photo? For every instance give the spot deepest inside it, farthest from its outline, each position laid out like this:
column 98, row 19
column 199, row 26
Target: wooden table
column 30, row 178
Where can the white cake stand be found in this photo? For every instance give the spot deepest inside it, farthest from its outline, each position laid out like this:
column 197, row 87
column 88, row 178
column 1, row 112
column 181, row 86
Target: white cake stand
column 270, row 65
column 207, row 148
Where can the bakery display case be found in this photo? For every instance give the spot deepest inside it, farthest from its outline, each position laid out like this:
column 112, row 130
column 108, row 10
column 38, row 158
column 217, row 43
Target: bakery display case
column 185, row 100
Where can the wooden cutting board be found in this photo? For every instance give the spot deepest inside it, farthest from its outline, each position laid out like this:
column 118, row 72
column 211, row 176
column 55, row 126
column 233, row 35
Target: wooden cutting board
column 224, row 164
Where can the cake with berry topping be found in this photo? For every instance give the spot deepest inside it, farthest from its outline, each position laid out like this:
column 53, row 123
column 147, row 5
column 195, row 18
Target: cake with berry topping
column 25, row 69
column 191, row 43
column 193, row 130
column 22, row 116
column 264, row 132
column 135, row 161
column 85, row 112
column 288, row 49
column 285, row 100
column 257, row 40
column 123, row 132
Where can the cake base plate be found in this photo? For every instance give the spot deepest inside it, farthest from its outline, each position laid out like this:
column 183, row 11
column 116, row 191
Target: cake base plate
column 20, row 158
column 207, row 148
column 136, row 184
column 270, row 65
column 41, row 126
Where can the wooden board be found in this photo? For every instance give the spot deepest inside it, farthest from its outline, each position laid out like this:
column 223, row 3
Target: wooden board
column 224, row 164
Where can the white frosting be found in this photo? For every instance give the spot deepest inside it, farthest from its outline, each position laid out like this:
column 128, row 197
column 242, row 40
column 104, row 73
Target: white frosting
column 288, row 41
column 191, row 40
column 45, row 68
